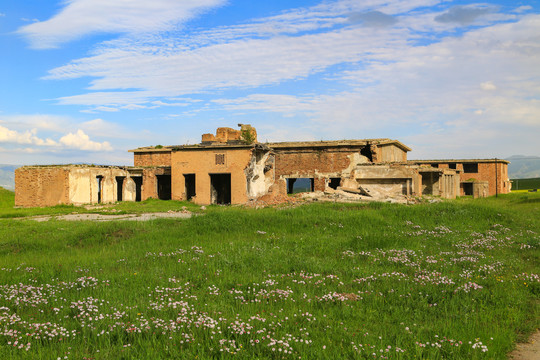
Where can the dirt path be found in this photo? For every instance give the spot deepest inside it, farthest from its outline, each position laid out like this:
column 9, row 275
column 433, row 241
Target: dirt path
column 123, row 217
column 529, row 350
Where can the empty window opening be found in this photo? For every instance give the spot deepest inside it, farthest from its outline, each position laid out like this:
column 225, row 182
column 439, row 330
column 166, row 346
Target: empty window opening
column 298, row 185
column 119, row 187
column 99, row 179
column 366, row 151
column 471, row 168
column 220, row 186
column 468, row 188
column 334, row 183
column 138, row 187
column 436, row 166
column 164, row 187
column 189, row 180
column 452, row 166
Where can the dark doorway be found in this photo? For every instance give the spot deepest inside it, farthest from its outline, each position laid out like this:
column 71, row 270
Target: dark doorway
column 220, row 186
column 138, row 187
column 99, row 179
column 467, row 188
column 189, row 180
column 119, row 187
column 334, row 183
column 297, row 185
column 164, row 187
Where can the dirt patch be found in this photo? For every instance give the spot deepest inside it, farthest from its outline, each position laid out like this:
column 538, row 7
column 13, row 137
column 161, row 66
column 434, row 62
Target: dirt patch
column 529, row 350
column 123, row 217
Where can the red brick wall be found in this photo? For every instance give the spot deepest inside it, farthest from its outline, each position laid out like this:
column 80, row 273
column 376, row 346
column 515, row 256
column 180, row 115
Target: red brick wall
column 161, row 158
column 41, row 186
column 305, row 163
column 494, row 173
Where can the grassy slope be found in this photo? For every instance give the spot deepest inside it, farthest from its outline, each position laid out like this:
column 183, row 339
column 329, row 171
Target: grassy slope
column 329, row 281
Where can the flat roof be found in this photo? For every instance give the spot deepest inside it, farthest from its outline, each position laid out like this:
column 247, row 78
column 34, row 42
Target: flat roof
column 458, row 161
column 278, row 145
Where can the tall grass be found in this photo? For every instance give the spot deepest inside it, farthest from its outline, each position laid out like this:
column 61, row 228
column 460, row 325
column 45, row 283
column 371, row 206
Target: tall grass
column 322, row 281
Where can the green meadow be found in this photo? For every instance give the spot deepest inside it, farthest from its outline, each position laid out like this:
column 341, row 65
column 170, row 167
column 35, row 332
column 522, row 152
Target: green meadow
column 449, row 280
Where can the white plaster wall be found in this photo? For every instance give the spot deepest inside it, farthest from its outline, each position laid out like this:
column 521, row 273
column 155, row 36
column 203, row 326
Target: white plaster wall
column 83, row 185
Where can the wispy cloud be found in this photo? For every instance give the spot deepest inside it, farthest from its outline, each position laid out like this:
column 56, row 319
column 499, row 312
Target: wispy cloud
column 372, row 19
column 82, row 17
column 463, row 15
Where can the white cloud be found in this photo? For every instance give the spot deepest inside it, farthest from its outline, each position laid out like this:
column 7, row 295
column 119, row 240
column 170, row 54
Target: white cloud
column 81, row 141
column 81, row 17
column 27, row 137
column 78, row 140
column 488, row 85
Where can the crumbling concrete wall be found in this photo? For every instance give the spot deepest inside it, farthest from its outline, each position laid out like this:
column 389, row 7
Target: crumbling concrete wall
column 90, row 185
column 260, row 173
column 41, row 186
column 480, row 189
column 387, row 180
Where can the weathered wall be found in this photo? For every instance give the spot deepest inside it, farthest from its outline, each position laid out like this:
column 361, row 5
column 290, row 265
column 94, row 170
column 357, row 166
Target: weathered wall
column 149, row 188
column 319, row 164
column 41, row 186
column 152, row 158
column 84, row 185
column 391, row 153
column 389, row 179
column 495, row 173
column 202, row 163
column 49, row 185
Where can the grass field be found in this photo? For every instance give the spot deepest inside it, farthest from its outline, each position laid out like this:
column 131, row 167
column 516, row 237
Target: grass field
column 452, row 280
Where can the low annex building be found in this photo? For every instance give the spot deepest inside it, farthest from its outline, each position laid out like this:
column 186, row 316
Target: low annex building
column 232, row 167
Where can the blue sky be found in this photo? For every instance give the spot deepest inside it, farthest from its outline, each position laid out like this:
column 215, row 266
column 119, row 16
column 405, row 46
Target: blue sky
column 86, row 80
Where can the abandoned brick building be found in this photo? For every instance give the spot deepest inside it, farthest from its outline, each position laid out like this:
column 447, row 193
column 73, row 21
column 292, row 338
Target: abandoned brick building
column 231, row 167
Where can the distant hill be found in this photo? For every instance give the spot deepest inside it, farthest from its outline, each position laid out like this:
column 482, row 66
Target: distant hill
column 7, row 176
column 523, row 167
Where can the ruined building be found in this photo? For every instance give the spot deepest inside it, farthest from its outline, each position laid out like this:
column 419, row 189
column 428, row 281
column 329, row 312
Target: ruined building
column 232, row 167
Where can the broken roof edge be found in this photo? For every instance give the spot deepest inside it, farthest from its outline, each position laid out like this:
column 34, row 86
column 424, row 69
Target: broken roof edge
column 494, row 160
column 338, row 143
